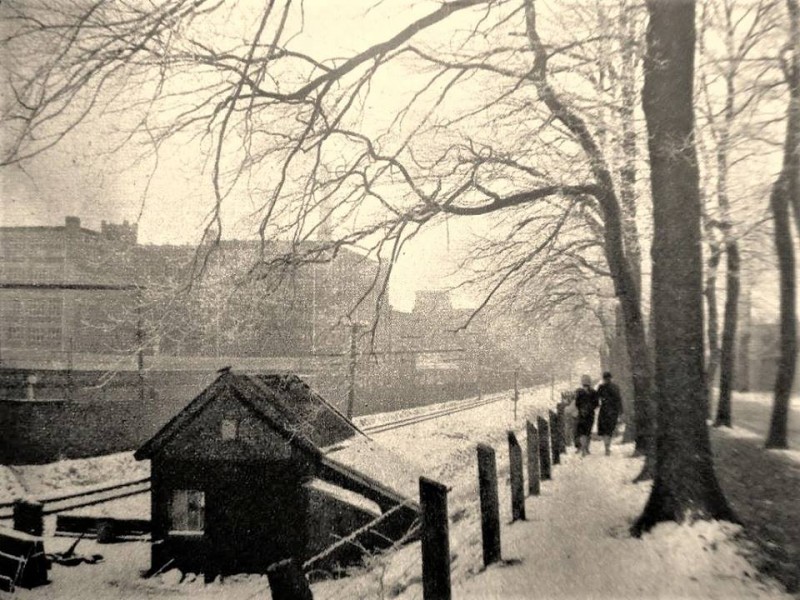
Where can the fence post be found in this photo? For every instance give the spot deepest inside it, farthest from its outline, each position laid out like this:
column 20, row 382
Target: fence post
column 562, row 439
column 288, row 582
column 544, row 448
column 490, row 508
column 554, row 446
column 517, row 479
column 28, row 516
column 435, row 540
column 516, row 392
column 533, row 459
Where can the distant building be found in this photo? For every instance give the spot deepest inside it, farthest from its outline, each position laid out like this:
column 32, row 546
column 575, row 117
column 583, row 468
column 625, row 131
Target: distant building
column 96, row 316
column 52, row 299
column 757, row 361
column 69, row 295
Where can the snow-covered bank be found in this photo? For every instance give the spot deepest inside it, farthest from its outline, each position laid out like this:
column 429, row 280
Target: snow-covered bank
column 39, row 481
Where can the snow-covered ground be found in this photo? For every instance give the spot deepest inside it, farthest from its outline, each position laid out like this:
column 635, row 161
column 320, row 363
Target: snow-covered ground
column 741, row 432
column 40, row 481
column 574, row 544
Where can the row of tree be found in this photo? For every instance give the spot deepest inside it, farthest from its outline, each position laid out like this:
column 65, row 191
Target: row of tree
column 523, row 115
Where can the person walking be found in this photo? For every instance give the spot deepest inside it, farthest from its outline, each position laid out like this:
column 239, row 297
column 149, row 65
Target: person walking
column 610, row 409
column 586, row 402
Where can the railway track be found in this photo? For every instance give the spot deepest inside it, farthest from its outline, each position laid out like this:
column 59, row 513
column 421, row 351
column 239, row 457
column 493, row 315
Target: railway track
column 414, row 419
column 100, row 494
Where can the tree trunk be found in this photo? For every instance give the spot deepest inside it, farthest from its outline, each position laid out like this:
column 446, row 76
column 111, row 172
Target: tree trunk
column 732, row 286
column 685, row 485
column 627, row 196
column 728, row 350
column 785, row 197
column 622, row 374
column 777, row 436
column 712, row 327
column 742, row 379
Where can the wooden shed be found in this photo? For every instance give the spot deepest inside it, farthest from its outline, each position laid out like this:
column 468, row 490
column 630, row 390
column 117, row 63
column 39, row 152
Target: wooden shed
column 233, row 481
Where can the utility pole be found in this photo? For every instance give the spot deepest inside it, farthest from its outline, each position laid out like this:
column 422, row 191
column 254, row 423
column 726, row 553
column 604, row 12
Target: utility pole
column 516, row 391
column 140, row 346
column 351, row 390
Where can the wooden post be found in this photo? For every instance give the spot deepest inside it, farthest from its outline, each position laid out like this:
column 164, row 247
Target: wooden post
column 490, row 506
column 351, row 388
column 516, row 392
column 288, row 582
column 554, row 445
column 544, row 448
column 28, row 517
column 517, row 479
column 435, row 540
column 562, row 439
column 140, row 345
column 533, row 459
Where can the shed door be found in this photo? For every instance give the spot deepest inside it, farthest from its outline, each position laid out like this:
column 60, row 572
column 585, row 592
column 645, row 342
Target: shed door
column 255, row 518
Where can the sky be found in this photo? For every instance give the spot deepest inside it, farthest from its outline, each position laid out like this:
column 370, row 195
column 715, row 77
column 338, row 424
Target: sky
column 170, row 199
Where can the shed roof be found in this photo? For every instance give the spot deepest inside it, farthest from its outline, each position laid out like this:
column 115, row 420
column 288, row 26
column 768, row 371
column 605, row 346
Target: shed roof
column 284, row 401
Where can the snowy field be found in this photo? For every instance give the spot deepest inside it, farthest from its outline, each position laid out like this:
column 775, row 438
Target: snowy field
column 574, row 544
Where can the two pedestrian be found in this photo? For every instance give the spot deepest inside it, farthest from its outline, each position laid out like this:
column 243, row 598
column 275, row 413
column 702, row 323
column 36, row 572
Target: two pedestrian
column 610, row 409
column 586, row 401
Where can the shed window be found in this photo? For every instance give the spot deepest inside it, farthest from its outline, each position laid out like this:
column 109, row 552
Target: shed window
column 230, row 429
column 187, row 510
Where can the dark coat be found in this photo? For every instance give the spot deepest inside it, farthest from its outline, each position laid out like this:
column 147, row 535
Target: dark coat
column 586, row 402
column 610, row 407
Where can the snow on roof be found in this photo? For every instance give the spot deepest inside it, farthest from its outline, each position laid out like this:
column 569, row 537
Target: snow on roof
column 379, row 463
column 344, row 495
column 284, row 401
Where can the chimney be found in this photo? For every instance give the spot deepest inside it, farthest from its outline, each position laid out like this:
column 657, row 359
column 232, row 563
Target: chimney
column 72, row 224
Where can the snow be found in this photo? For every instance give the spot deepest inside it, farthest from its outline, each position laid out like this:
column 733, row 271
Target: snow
column 739, row 432
column 790, row 454
column 40, row 481
column 344, row 495
column 380, row 463
column 766, row 398
column 575, row 543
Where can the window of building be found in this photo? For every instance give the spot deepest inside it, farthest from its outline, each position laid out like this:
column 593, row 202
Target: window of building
column 44, row 309
column 187, row 510
column 13, row 249
column 16, row 335
column 230, row 429
column 10, row 307
column 44, row 336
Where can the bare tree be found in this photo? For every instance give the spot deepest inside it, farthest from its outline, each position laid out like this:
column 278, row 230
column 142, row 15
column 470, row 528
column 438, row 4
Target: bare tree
column 785, row 199
column 486, row 126
column 733, row 83
column 685, row 485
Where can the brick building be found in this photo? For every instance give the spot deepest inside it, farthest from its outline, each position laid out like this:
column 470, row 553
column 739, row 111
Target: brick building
column 69, row 295
column 53, row 299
